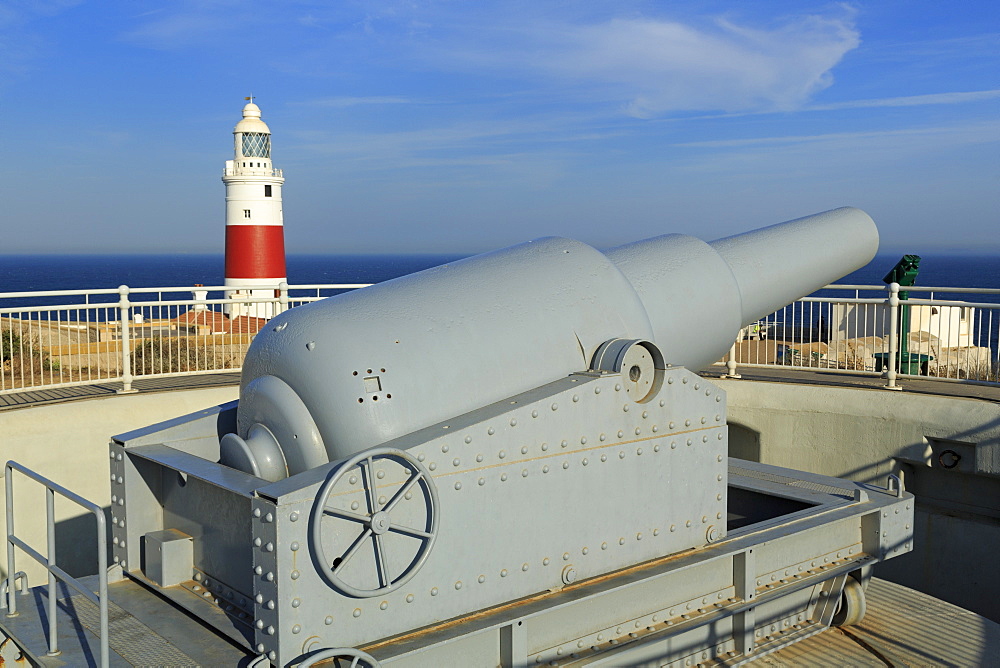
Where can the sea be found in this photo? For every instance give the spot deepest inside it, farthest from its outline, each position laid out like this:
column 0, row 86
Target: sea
column 32, row 273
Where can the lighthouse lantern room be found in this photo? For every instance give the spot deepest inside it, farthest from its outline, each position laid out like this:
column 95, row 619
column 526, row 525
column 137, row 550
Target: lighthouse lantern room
column 255, row 242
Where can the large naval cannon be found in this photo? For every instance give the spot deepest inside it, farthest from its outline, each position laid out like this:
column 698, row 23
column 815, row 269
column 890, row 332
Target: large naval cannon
column 509, row 460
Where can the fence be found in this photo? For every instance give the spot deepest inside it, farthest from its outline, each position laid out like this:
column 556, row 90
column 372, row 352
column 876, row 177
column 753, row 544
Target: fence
column 59, row 338
column 879, row 331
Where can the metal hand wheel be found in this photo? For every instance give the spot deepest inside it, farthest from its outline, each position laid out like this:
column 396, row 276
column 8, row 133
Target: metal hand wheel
column 380, row 523
column 357, row 658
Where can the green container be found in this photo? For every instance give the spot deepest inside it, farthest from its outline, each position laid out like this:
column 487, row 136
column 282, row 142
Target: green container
column 913, row 364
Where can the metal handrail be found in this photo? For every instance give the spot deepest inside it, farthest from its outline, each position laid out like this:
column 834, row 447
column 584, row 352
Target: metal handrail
column 49, row 559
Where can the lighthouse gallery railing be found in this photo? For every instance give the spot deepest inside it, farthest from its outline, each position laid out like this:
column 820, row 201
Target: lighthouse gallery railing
column 55, row 339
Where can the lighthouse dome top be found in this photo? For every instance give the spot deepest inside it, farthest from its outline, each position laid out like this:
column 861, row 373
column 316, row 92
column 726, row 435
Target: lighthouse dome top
column 251, row 122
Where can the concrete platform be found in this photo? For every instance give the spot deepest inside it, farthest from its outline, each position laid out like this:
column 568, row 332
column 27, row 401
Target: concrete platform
column 903, row 627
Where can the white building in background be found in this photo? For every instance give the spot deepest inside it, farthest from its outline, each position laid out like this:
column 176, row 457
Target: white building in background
column 952, row 326
column 255, row 241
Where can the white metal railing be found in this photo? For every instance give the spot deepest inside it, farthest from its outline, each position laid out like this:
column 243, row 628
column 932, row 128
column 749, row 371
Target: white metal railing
column 887, row 331
column 48, row 560
column 52, row 339
column 69, row 337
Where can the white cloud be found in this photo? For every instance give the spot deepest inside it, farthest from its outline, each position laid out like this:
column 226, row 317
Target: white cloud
column 664, row 66
column 911, row 100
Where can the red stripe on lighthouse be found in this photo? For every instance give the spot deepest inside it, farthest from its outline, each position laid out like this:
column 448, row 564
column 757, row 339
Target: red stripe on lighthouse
column 255, row 251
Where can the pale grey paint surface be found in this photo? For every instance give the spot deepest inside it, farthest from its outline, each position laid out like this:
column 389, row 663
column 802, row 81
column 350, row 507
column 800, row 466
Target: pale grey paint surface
column 866, row 434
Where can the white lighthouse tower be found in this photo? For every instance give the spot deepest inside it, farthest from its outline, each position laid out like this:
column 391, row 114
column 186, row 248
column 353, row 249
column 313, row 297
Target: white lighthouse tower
column 255, row 235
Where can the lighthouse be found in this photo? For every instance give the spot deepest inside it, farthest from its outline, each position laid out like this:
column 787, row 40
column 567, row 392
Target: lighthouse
column 255, row 236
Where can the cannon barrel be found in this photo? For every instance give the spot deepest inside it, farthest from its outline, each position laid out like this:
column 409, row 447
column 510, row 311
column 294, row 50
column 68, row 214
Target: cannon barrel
column 335, row 377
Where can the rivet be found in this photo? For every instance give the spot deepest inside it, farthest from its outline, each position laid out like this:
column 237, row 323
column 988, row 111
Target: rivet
column 621, row 455
column 524, row 450
column 602, row 437
column 621, row 541
column 119, row 457
column 689, row 441
column 468, row 439
column 357, row 612
column 513, row 422
column 269, row 517
column 458, row 485
column 258, row 570
column 383, row 605
column 670, row 381
column 260, row 647
column 645, row 414
column 269, row 577
column 479, row 458
column 534, row 414
column 524, row 566
column 491, row 431
column 638, row 536
column 564, row 444
column 554, row 407
column 638, row 431
column 421, row 457
column 482, row 481
column 688, row 523
column 585, row 550
column 382, row 500
column 704, row 439
column 687, row 423
column 269, row 547
column 576, row 398
column 604, row 546
column 114, row 498
column 638, row 451
column 408, row 496
column 294, row 517
column 502, row 454
column 524, row 473
column 296, row 629
column 697, row 386
column 597, row 390
column 604, row 458
column 684, row 380
column 270, row 630
column 434, row 591
column 585, row 461
column 625, row 408
column 444, row 448
column 503, row 477
column 655, row 429
column 380, row 474
column 355, row 505
column 112, row 455
column 583, row 440
column 673, row 445
column 656, row 448
column 503, row 573
column 272, row 655
column 565, row 556
column 458, row 585
column 718, row 458
column 295, row 575
column 260, row 623
column 718, row 497
column 353, row 480
column 482, row 579
column 620, row 433
column 328, row 620
column 565, row 465
column 409, row 598
column 545, row 469
column 432, row 466
column 656, row 532
column 260, row 599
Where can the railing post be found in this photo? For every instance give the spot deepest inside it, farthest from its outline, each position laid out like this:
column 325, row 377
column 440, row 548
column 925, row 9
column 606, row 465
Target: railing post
column 731, row 364
column 11, row 570
column 50, row 550
column 282, row 297
column 124, row 306
column 893, row 337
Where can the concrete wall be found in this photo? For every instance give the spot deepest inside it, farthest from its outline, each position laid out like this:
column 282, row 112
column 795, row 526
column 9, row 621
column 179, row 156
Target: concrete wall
column 68, row 443
column 946, row 449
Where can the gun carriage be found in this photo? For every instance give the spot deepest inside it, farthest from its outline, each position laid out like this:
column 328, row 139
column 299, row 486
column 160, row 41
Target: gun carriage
column 507, row 460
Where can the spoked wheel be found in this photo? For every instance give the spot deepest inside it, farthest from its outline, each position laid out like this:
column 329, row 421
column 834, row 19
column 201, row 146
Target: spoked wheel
column 374, row 522
column 852, row 604
column 341, row 657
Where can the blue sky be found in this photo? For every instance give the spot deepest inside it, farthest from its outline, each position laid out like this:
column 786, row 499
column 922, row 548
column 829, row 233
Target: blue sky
column 458, row 127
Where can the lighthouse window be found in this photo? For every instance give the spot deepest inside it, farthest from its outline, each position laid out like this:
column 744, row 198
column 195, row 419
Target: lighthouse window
column 246, row 213
column 267, row 191
column 256, row 145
